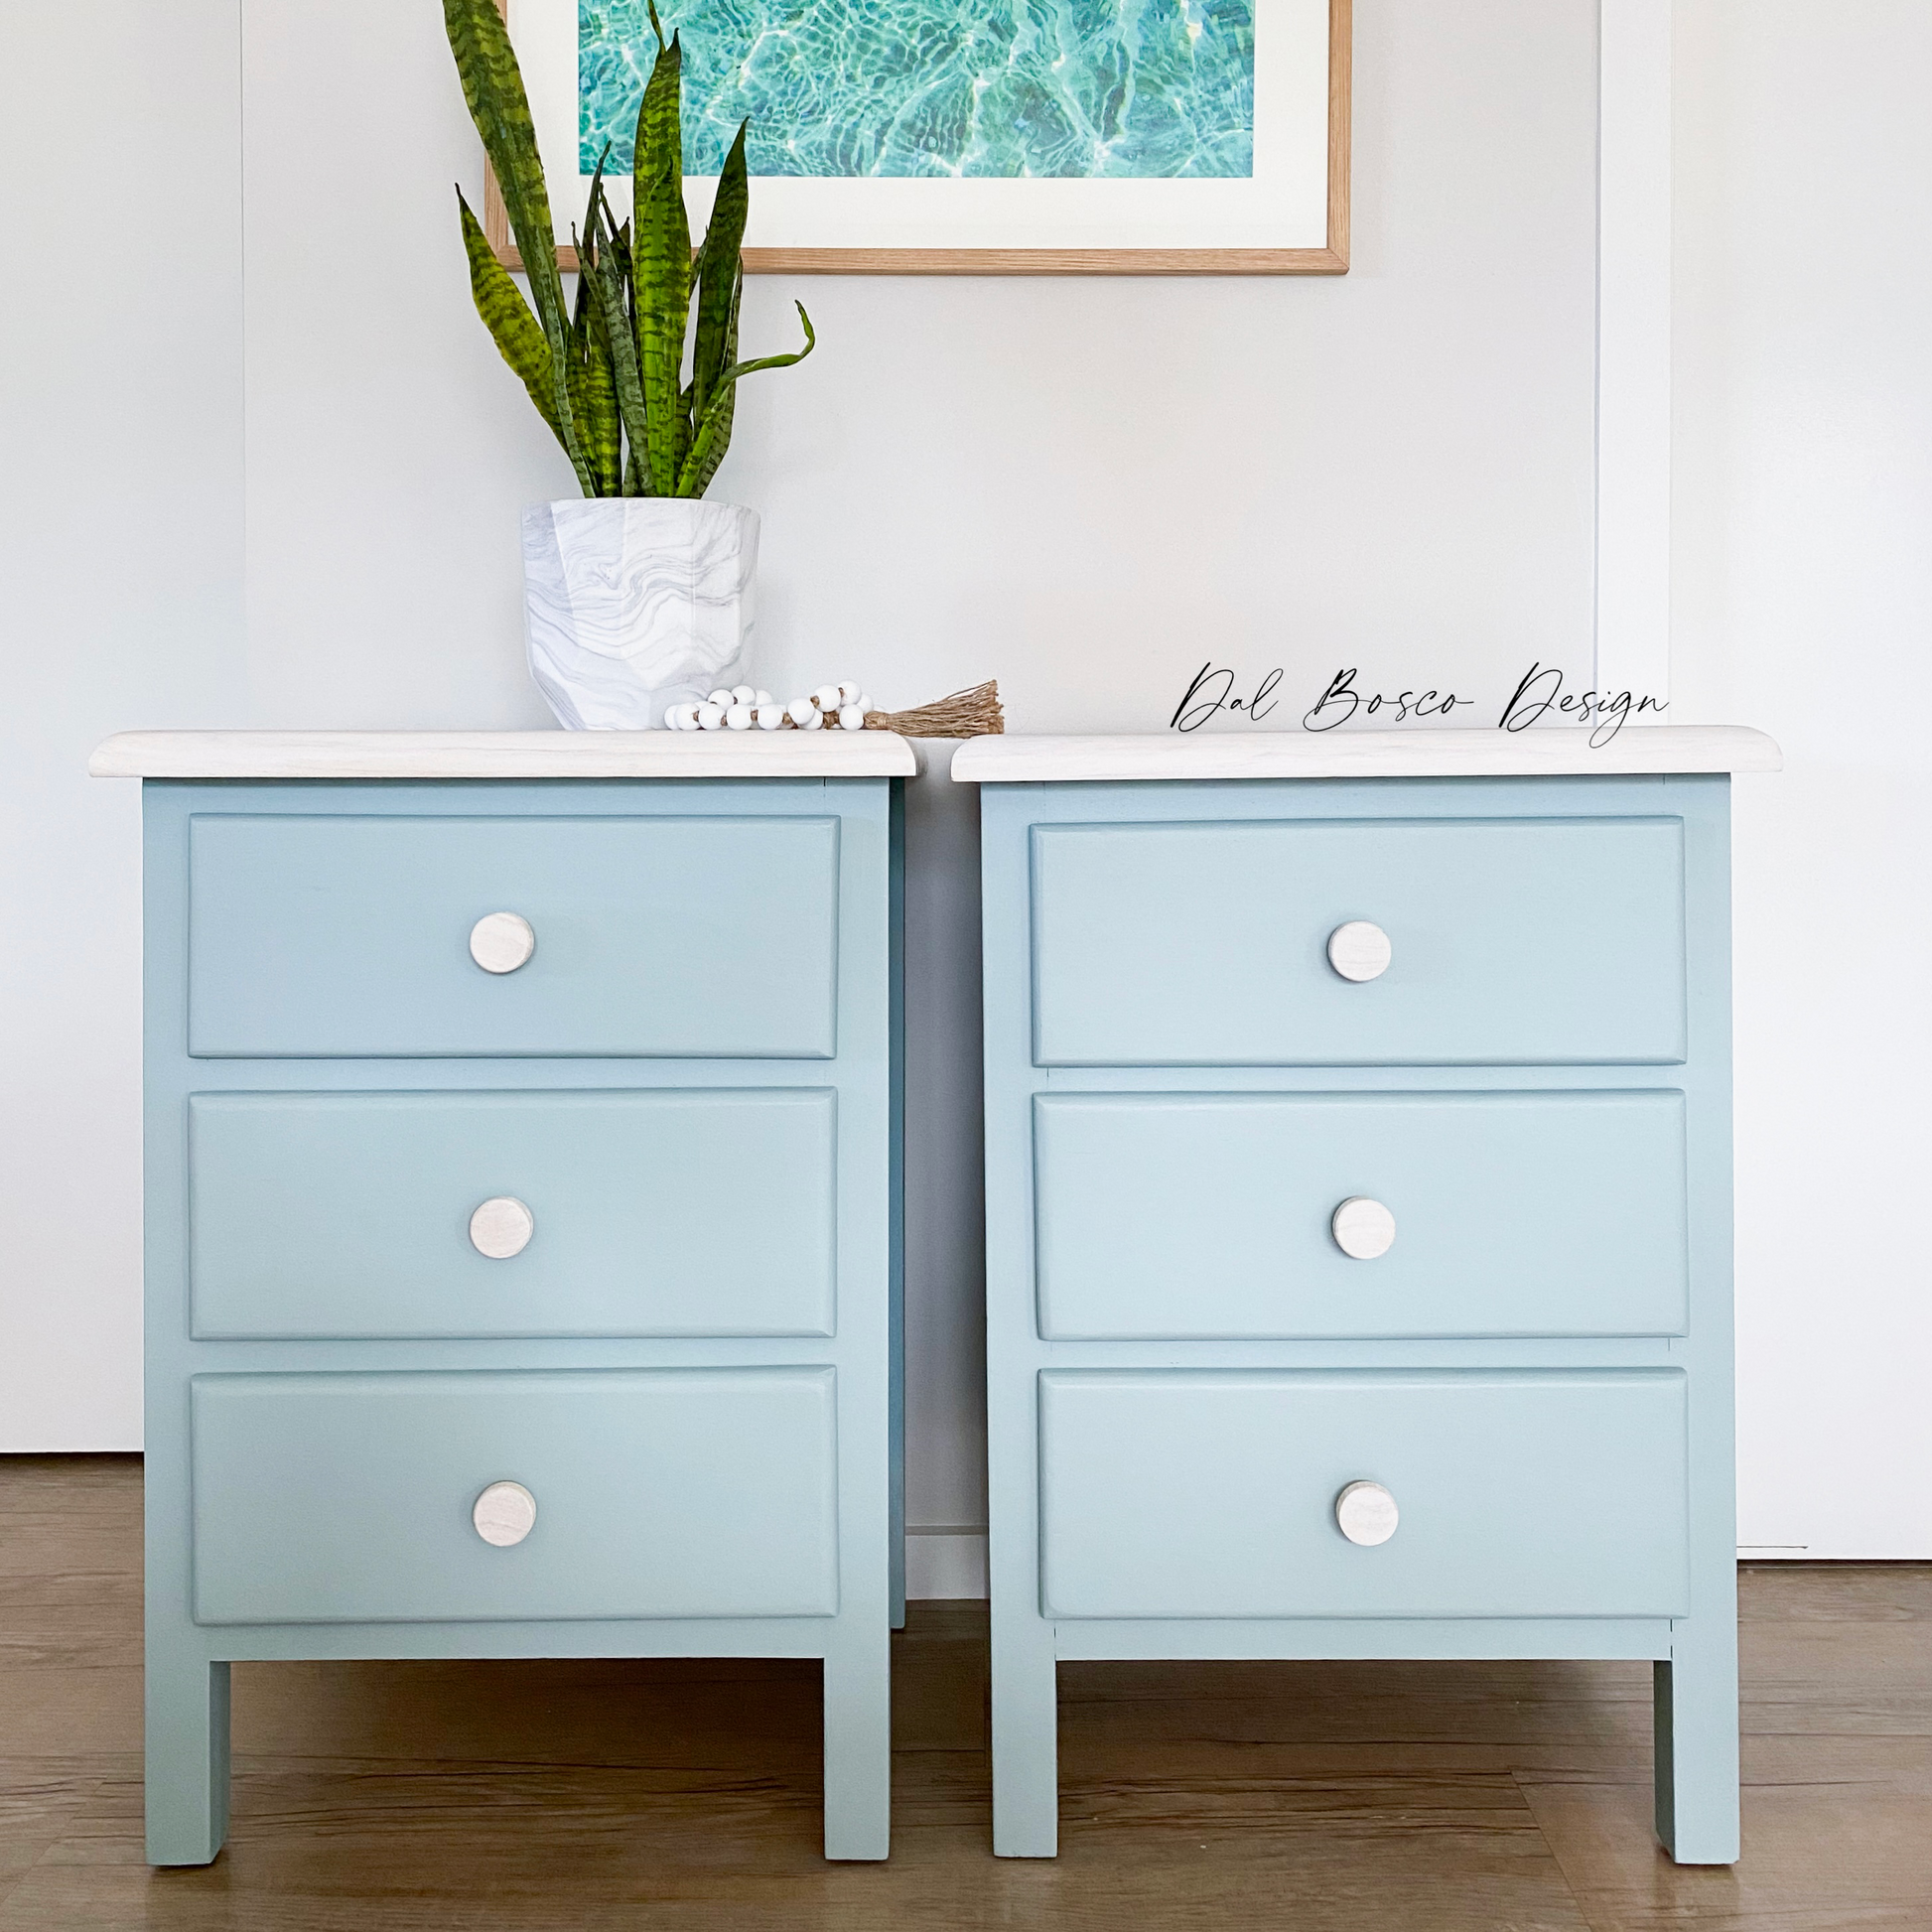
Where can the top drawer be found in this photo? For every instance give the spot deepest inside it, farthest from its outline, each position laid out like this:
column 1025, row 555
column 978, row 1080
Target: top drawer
column 1512, row 942
column 316, row 936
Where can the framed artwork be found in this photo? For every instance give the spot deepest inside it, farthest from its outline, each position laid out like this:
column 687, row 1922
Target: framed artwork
column 971, row 137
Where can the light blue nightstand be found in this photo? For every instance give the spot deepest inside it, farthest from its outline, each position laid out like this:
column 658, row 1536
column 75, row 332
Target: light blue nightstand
column 522, row 1216
column 1358, row 1216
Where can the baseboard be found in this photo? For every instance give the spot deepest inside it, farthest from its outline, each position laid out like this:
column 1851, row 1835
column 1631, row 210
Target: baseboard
column 945, row 1560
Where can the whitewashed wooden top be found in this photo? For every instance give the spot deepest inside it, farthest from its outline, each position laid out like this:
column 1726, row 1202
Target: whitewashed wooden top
column 1553, row 751
column 506, row 754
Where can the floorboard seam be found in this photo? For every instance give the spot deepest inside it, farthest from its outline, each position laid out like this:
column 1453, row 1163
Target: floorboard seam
column 1556, row 1857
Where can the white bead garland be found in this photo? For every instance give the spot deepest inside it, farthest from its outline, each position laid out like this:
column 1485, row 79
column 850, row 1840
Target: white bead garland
column 832, row 707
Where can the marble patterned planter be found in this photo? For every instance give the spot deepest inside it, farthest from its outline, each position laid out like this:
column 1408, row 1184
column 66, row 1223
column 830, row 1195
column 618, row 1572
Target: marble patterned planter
column 635, row 604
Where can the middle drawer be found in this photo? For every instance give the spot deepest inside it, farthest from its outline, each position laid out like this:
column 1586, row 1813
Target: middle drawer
column 1222, row 1216
column 357, row 1215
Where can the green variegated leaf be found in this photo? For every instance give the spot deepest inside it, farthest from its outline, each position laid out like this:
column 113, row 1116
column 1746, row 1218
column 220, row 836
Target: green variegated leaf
column 714, row 428
column 595, row 402
column 507, row 316
column 662, row 265
column 737, row 369
column 718, row 274
column 607, row 283
column 621, row 248
column 592, row 395
column 711, row 444
column 712, row 434
column 493, row 87
column 636, row 477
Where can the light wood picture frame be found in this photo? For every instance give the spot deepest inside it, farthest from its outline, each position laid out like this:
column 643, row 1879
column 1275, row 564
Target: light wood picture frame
column 1327, row 147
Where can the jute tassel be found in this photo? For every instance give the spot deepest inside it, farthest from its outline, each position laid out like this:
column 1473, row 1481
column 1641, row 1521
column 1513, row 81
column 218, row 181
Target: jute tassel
column 966, row 714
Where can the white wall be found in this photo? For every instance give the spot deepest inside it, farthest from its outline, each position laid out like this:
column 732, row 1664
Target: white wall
column 1804, row 605
column 1082, row 487
column 120, row 597
column 1086, row 486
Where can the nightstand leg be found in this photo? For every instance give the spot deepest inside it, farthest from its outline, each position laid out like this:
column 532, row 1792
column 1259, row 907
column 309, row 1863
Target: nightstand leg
column 187, row 1759
column 1696, row 1729
column 858, row 1742
column 1026, row 1736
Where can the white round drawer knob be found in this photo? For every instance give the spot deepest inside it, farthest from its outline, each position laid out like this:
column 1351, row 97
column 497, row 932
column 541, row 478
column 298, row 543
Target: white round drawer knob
column 502, row 1227
column 500, row 942
column 1365, row 1513
column 504, row 1513
column 1359, row 950
column 1363, row 1229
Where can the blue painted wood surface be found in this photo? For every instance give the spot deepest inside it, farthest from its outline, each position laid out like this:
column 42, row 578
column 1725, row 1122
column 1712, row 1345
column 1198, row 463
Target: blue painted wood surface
column 659, row 935
column 1211, row 1492
column 1165, row 941
column 1204, row 1216
column 1205, row 944
column 660, row 1492
column 348, row 1215
column 333, row 994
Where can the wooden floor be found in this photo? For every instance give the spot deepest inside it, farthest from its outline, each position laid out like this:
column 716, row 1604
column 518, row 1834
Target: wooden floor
column 673, row 1796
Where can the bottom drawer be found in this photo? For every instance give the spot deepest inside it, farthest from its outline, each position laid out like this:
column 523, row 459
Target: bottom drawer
column 1211, row 1493
column 660, row 1492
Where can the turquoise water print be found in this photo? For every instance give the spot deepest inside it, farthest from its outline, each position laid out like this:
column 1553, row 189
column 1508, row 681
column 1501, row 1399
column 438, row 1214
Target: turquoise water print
column 1065, row 90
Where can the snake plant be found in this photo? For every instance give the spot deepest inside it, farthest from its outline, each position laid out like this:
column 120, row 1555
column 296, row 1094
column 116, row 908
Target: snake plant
column 607, row 371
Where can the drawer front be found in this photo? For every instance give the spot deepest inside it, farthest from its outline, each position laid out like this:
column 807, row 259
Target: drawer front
column 1210, row 1215
column 313, row 937
column 350, row 1214
column 350, row 1498
column 1513, row 941
column 1213, row 1493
